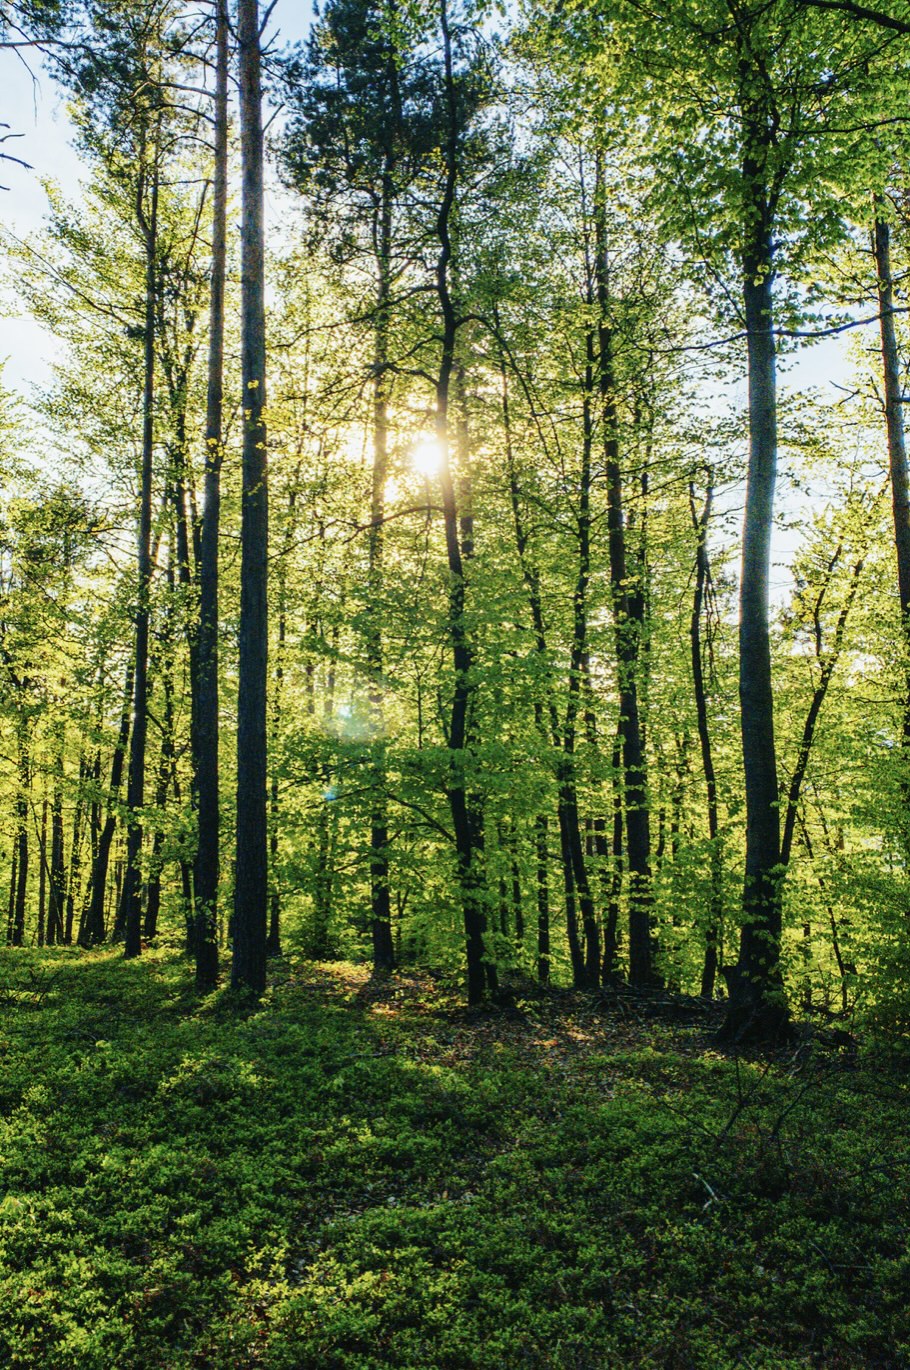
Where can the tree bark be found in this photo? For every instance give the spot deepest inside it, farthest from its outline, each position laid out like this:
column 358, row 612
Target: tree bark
column 380, row 900
column 56, row 930
column 205, row 749
column 828, row 662
column 627, row 629
column 130, row 913
column 250, row 931
column 93, row 922
column 714, row 928
column 22, row 804
column 897, row 460
column 467, row 818
column 42, row 873
column 757, row 1007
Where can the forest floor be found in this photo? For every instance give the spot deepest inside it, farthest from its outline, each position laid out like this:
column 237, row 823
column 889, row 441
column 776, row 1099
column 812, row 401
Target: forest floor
column 356, row 1175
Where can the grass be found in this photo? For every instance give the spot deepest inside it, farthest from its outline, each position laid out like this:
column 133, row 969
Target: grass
column 361, row 1176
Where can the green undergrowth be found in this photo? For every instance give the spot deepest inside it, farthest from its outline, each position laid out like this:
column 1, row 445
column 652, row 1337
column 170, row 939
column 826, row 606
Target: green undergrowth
column 361, row 1177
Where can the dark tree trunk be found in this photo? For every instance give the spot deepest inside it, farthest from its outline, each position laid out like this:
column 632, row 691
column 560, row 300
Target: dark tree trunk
column 610, row 972
column 42, row 874
column 130, row 913
column 94, row 918
column 75, row 863
column 250, row 930
column 166, row 769
column 828, row 661
column 380, row 895
column 714, row 929
column 628, row 626
column 758, row 1007
column 586, row 961
column 543, row 898
column 897, row 462
column 56, row 931
column 466, row 813
column 273, row 946
column 11, row 909
column 22, row 805
column 205, row 748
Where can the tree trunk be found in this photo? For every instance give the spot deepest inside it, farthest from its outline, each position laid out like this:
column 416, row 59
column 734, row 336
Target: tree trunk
column 56, row 931
column 130, row 913
column 205, row 750
column 828, row 662
column 273, row 947
column 75, row 863
column 42, row 874
column 757, row 1007
column 11, row 909
column 627, row 628
column 93, row 922
column 380, row 897
column 714, row 928
column 466, row 814
column 250, row 931
column 541, row 834
column 899, row 472
column 22, row 805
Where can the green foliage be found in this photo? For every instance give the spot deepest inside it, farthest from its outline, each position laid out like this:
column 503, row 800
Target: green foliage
column 354, row 1177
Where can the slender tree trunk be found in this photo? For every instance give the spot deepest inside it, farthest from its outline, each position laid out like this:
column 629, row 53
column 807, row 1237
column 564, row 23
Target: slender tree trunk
column 899, row 472
column 130, row 914
column 273, row 947
column 57, row 882
column 610, row 973
column 380, row 897
column 541, row 834
column 205, row 750
column 166, row 765
column 250, row 931
column 757, row 1005
column 22, row 806
column 11, row 909
column 75, row 862
column 846, row 969
column 716, row 895
column 94, row 919
column 828, row 661
column 586, row 961
column 466, row 814
column 570, row 847
column 627, row 626
column 42, row 874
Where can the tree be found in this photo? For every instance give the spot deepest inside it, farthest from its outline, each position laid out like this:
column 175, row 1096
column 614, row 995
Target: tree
column 249, row 927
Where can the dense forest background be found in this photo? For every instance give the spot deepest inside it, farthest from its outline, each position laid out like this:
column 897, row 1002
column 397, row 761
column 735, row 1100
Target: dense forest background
column 391, row 578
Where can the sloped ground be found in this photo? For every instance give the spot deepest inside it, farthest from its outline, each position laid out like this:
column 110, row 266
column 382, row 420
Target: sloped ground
column 359, row 1175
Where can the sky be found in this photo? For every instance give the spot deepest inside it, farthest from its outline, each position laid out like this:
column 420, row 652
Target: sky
column 33, row 108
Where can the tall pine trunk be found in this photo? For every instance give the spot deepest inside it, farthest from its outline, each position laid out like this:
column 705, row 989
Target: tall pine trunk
column 205, row 741
column 250, row 931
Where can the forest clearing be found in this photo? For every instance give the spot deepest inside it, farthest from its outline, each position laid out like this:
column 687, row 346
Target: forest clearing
column 455, row 684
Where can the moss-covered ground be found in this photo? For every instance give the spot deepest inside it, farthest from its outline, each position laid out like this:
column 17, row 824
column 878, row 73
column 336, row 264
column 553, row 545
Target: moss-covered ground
column 366, row 1176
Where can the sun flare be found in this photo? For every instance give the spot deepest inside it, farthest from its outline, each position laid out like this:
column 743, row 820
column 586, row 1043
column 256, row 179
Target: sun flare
column 426, row 457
